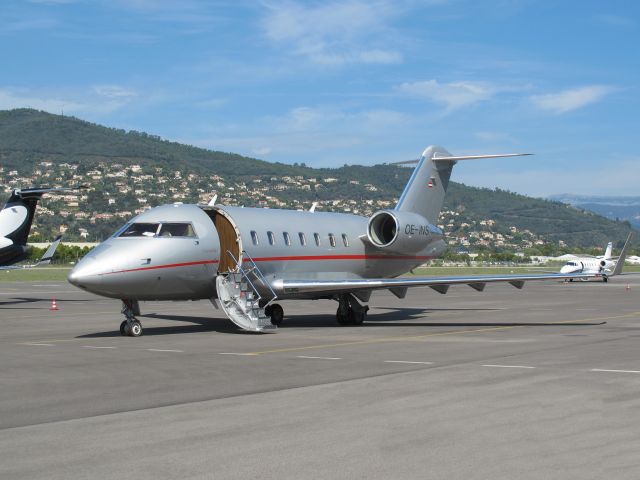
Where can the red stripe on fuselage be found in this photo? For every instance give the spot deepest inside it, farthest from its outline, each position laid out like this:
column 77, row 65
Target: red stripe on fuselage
column 171, row 265
column 283, row 259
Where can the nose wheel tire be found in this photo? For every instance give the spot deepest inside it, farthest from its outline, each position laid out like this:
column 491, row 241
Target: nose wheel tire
column 135, row 329
column 276, row 313
column 123, row 328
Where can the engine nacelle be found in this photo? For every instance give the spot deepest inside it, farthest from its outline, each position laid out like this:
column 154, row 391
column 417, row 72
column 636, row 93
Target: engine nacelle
column 402, row 232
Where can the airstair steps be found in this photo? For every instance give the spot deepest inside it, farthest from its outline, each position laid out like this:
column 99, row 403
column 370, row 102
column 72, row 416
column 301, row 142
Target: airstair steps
column 240, row 299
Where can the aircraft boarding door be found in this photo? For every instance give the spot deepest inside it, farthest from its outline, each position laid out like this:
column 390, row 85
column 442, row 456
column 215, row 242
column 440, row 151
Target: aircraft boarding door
column 230, row 241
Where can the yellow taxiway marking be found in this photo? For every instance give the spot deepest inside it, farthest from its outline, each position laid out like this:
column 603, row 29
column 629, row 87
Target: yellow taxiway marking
column 437, row 334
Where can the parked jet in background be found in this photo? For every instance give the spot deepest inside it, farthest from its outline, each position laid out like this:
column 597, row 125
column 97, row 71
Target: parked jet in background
column 16, row 218
column 605, row 266
column 246, row 258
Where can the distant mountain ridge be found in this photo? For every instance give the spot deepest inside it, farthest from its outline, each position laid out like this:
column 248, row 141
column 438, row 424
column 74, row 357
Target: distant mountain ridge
column 613, row 207
column 30, row 139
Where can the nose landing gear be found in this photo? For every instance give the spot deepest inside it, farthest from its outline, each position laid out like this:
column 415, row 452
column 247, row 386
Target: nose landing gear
column 131, row 326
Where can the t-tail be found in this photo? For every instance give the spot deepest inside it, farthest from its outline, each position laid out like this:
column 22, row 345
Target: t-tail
column 425, row 191
column 608, row 252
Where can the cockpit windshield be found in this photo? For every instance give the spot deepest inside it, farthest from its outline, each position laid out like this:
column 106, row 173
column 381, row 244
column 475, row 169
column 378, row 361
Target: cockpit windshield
column 141, row 230
column 572, row 264
column 157, row 230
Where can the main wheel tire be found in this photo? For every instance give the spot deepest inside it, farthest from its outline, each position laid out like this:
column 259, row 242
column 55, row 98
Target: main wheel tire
column 343, row 318
column 135, row 330
column 123, row 328
column 268, row 310
column 277, row 314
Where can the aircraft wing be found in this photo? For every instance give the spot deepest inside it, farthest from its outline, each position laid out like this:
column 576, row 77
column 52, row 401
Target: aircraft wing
column 398, row 286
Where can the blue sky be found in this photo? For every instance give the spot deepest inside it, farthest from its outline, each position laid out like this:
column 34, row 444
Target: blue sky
column 329, row 83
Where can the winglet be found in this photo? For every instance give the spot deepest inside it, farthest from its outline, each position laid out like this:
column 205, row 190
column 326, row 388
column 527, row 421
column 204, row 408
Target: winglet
column 48, row 255
column 623, row 256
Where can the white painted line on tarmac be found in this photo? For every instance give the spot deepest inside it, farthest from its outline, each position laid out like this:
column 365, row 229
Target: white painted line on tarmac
column 318, row 358
column 238, row 354
column 406, row 361
column 40, row 344
column 163, row 350
column 95, row 346
column 508, row 366
column 614, row 371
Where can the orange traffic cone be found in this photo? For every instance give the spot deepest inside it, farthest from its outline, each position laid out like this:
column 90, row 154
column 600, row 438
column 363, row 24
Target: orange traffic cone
column 54, row 305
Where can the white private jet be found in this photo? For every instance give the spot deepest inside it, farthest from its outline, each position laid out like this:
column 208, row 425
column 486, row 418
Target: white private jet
column 605, row 266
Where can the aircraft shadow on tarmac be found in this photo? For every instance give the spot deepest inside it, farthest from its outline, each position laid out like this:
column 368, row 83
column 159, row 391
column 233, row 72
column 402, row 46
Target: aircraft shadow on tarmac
column 391, row 318
column 24, row 300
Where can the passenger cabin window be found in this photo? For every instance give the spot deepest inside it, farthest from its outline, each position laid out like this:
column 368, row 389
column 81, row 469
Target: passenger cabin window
column 345, row 240
column 141, row 230
column 177, row 230
column 271, row 237
column 317, row 238
column 287, row 238
column 332, row 240
column 254, row 237
column 303, row 239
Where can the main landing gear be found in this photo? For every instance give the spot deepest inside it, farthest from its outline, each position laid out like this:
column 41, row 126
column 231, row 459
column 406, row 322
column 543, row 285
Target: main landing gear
column 350, row 312
column 276, row 313
column 131, row 326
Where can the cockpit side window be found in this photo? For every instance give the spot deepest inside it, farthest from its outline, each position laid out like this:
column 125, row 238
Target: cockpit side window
column 177, row 230
column 141, row 230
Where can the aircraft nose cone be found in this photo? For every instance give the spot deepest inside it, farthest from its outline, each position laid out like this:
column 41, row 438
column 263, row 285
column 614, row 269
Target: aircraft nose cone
column 82, row 276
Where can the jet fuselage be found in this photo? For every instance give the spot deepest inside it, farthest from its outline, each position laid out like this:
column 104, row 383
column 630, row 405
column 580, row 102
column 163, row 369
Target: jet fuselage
column 183, row 264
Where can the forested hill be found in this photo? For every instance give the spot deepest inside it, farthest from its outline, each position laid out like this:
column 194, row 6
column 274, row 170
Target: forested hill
column 42, row 148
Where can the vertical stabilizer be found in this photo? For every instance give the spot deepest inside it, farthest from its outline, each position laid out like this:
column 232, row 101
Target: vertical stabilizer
column 424, row 193
column 608, row 251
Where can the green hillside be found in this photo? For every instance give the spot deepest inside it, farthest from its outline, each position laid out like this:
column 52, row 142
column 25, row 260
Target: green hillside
column 41, row 148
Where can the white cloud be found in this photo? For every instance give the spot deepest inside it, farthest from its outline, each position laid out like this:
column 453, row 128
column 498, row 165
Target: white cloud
column 114, row 91
column 301, row 132
column 615, row 20
column 572, row 99
column 97, row 100
column 453, row 95
column 334, row 33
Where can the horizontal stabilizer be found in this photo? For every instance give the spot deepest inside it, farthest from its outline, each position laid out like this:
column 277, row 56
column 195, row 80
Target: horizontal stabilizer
column 464, row 157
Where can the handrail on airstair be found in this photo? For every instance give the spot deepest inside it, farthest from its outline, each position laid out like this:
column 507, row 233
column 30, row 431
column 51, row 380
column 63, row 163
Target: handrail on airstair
column 258, row 275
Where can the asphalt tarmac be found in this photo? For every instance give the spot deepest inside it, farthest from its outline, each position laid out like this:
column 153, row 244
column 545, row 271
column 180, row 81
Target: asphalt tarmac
column 537, row 383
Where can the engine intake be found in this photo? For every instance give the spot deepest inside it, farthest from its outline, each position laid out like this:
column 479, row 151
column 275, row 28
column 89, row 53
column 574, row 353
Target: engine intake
column 403, row 232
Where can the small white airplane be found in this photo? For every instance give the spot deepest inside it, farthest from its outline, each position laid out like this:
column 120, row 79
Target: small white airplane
column 604, row 266
column 16, row 218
